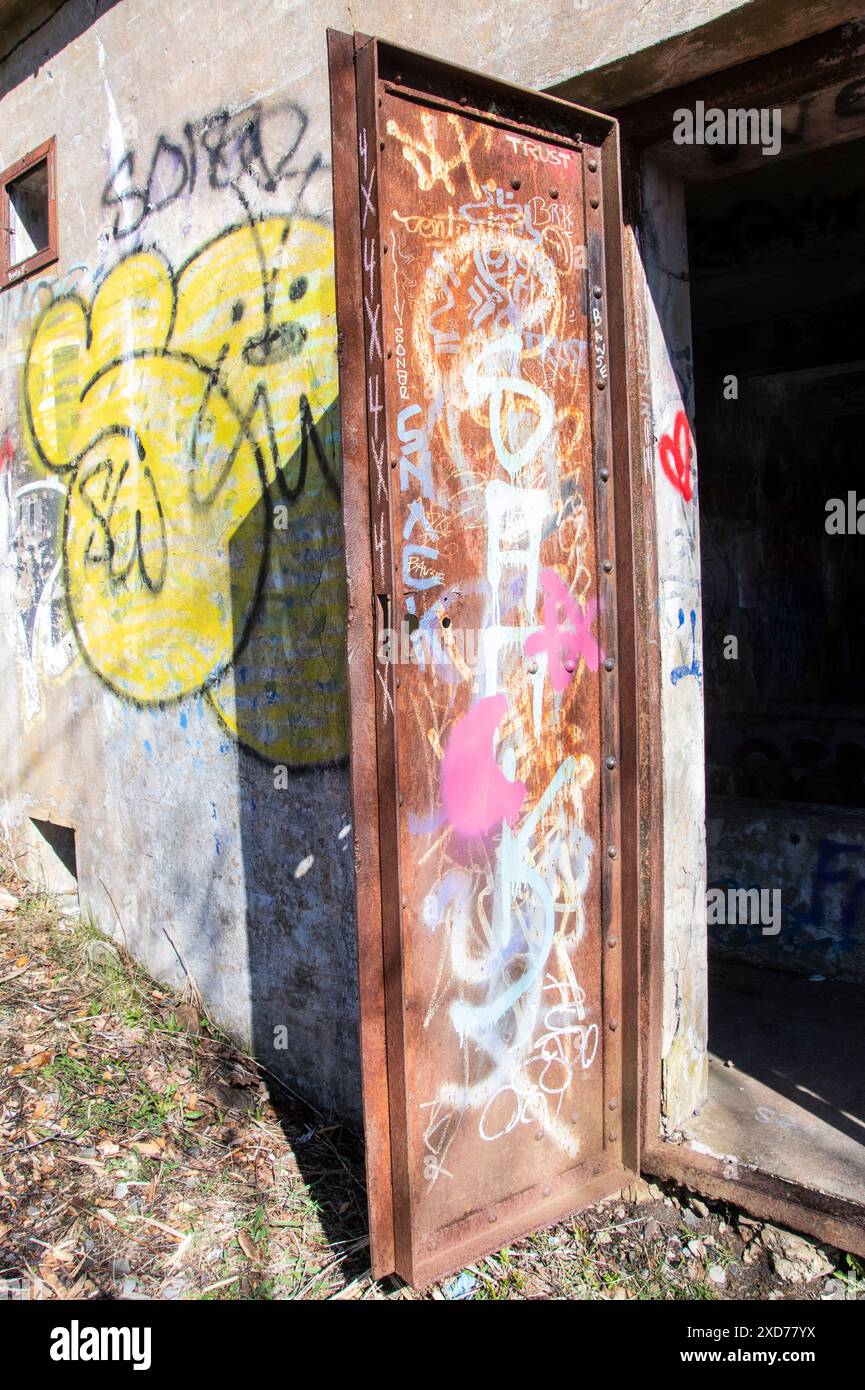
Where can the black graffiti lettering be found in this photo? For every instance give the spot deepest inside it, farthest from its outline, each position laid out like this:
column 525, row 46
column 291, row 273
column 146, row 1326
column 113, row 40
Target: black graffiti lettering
column 120, row 197
column 261, row 148
column 106, row 508
column 309, row 436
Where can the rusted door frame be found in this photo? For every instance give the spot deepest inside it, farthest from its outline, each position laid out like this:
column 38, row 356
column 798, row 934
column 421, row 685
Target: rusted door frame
column 354, row 64
column 770, row 81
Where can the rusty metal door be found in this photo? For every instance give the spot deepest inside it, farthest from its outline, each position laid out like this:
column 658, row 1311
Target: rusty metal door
column 485, row 441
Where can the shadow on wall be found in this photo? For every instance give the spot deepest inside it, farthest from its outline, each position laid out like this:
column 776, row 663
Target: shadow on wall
column 189, row 417
column 22, row 21
column 287, row 702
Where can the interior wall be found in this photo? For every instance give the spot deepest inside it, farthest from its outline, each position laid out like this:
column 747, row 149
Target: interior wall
column 778, row 279
column 675, row 499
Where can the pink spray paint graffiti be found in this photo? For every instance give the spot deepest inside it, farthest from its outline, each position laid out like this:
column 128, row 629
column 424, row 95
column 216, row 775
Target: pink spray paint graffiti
column 675, row 452
column 475, row 792
column 564, row 645
column 490, row 511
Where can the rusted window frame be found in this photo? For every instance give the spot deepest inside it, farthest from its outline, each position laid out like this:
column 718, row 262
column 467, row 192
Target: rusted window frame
column 12, row 274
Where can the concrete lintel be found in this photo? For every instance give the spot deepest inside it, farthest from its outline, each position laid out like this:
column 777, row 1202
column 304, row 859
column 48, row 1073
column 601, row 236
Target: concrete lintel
column 694, row 50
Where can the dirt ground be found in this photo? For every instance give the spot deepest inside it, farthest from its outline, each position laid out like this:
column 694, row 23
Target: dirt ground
column 143, row 1156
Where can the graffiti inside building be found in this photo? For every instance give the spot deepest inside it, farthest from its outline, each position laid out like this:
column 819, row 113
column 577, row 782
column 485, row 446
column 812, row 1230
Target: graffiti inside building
column 189, row 417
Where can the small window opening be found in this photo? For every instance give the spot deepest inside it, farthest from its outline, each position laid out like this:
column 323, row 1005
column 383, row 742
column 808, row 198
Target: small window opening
column 28, row 222
column 28, row 206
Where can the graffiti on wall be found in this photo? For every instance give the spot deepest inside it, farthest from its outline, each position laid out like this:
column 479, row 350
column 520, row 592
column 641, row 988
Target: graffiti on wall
column 253, row 150
column 823, row 893
column 675, row 452
column 488, row 513
column 188, row 416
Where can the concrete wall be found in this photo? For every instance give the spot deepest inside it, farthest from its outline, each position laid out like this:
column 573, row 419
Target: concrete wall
column 814, row 858
column 171, row 652
column 158, row 675
column 684, row 1076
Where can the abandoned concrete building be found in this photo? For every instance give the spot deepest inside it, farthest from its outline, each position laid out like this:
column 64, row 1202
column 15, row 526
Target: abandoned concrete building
column 306, row 339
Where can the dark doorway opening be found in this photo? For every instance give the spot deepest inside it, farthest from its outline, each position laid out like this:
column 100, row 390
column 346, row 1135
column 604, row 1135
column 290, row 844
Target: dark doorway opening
column 777, row 259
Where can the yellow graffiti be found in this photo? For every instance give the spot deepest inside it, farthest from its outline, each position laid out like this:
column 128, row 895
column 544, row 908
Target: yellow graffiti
column 191, row 416
column 427, row 160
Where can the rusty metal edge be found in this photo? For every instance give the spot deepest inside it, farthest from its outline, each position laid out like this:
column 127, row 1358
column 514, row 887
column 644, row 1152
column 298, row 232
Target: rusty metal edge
column 14, row 274
column 471, row 79
column 647, row 667
column 464, row 107
column 629, row 695
column 421, row 1266
column 438, row 1255
column 548, row 1210
column 831, row 1219
column 599, row 275
column 391, row 898
column 360, row 649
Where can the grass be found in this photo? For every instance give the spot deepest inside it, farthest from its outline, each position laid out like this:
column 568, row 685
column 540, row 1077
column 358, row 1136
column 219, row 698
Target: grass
column 143, row 1155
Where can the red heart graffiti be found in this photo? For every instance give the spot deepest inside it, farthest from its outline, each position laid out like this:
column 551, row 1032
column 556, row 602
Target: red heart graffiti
column 676, row 456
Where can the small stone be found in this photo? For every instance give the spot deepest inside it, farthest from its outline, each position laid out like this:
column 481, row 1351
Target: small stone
column 794, row 1259
column 690, row 1218
column 603, row 1238
column 640, row 1192
column 100, row 952
column 728, row 1063
column 831, row 1290
column 651, row 1229
column 717, row 1274
column 695, row 1249
column 8, row 900
column 699, row 1207
column 174, row 1289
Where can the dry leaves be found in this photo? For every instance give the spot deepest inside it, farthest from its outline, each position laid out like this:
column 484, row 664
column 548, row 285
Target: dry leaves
column 142, row 1155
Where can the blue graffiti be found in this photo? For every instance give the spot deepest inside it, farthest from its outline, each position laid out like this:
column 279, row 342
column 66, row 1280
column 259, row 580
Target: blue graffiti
column 829, row 850
column 696, row 667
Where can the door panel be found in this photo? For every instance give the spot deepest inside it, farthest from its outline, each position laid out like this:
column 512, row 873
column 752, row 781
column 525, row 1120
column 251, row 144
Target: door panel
column 475, row 222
